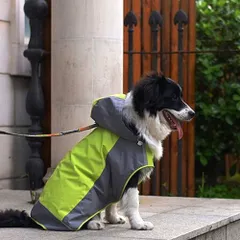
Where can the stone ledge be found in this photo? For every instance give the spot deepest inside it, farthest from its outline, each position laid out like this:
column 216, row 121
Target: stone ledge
column 14, row 184
column 174, row 219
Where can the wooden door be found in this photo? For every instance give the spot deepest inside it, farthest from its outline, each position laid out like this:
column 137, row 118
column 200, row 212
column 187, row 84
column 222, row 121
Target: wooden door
column 172, row 176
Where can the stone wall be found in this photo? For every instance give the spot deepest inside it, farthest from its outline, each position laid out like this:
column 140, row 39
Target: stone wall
column 13, row 89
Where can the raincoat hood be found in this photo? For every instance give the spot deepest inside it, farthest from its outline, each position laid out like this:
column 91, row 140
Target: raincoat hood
column 107, row 112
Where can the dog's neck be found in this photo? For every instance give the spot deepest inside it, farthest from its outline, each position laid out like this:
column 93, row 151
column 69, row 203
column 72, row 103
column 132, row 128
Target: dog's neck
column 150, row 128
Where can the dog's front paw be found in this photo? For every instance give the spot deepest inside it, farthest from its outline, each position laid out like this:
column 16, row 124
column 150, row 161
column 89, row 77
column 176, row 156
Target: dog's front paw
column 115, row 219
column 95, row 225
column 142, row 226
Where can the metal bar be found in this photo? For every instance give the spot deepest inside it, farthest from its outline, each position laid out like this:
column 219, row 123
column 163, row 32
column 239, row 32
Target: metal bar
column 180, row 80
column 36, row 11
column 130, row 20
column 142, row 36
column 185, row 52
column 130, row 59
column 154, row 48
column 131, row 5
column 155, row 22
column 180, row 19
column 165, row 66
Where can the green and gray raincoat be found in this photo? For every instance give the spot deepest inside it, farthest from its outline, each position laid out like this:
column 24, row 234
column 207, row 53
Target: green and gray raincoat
column 95, row 172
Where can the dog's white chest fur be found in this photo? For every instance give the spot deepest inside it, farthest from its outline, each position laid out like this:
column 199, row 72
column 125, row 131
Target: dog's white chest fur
column 150, row 128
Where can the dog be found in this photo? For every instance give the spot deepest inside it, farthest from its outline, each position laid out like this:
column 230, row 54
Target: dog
column 153, row 109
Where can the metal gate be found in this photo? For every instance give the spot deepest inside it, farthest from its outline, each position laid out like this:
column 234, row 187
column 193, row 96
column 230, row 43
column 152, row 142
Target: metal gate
column 160, row 35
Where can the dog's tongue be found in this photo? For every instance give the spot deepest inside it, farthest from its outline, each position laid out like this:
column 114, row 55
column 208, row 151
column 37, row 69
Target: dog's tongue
column 179, row 129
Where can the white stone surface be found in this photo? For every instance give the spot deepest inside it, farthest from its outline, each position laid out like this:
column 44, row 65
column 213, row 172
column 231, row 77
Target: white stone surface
column 13, row 94
column 14, row 151
column 218, row 234
column 87, row 63
column 5, row 10
column 233, row 231
column 14, row 154
column 5, row 47
column 169, row 224
column 21, row 86
column 74, row 19
column 6, row 100
column 107, row 67
column 18, row 183
column 19, row 66
column 72, row 72
column 17, row 21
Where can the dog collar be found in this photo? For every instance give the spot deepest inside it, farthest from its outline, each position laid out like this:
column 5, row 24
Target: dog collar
column 134, row 130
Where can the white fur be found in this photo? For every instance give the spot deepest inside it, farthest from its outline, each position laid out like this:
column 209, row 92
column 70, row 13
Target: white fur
column 112, row 216
column 96, row 223
column 183, row 114
column 130, row 205
column 150, row 128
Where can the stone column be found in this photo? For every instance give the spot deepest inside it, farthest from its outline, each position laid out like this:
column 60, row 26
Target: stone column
column 87, row 63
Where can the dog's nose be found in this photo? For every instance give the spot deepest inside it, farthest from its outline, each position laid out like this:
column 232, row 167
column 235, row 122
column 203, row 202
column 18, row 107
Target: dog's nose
column 191, row 114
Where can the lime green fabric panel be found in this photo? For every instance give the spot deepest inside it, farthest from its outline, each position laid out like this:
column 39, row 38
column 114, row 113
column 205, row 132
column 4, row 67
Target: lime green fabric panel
column 65, row 189
column 150, row 156
column 121, row 95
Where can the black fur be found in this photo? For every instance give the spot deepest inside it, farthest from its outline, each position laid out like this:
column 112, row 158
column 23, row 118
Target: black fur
column 154, row 93
column 16, row 218
column 133, row 182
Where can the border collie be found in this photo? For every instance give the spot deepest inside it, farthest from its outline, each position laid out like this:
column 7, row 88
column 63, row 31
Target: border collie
column 156, row 108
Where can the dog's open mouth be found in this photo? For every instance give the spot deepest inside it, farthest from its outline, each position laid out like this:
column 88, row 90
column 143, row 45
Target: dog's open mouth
column 174, row 123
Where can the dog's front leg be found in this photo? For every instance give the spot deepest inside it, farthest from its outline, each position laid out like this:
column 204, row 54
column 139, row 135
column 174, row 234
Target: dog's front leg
column 112, row 215
column 95, row 223
column 130, row 204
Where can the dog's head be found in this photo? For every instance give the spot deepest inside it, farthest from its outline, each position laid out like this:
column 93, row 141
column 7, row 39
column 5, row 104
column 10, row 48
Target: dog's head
column 162, row 97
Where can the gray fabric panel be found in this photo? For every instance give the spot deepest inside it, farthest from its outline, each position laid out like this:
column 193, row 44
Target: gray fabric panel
column 107, row 113
column 124, row 158
column 44, row 217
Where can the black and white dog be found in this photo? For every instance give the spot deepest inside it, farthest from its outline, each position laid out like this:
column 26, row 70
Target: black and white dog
column 155, row 107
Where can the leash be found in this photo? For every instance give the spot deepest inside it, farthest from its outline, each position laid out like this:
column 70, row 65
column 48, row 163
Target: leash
column 35, row 194
column 44, row 135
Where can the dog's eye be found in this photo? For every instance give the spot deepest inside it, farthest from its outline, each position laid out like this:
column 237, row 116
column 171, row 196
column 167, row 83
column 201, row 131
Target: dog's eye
column 174, row 97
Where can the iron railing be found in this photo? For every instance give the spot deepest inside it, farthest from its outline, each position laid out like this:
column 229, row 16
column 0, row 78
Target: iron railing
column 155, row 23
column 36, row 11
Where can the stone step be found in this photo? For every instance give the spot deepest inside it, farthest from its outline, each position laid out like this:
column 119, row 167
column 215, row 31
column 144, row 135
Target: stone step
column 174, row 219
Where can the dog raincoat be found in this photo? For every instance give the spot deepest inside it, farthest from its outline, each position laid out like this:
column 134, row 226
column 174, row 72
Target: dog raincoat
column 95, row 172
